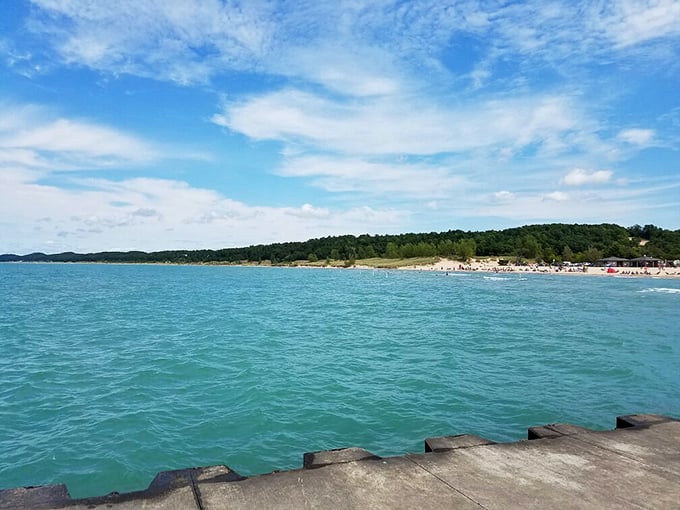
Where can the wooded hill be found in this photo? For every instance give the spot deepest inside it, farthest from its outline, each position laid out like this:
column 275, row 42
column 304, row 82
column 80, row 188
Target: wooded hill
column 541, row 243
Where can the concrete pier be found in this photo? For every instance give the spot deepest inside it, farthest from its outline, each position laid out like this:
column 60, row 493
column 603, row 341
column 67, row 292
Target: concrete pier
column 637, row 465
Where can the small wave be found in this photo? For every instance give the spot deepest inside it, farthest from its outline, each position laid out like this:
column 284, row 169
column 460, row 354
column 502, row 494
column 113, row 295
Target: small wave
column 663, row 290
column 505, row 278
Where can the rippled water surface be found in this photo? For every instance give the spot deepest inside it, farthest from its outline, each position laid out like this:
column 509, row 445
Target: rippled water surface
column 110, row 373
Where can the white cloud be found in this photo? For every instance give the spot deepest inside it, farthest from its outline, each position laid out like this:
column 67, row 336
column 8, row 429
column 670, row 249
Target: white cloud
column 636, row 136
column 583, row 31
column 101, row 214
column 356, row 175
column 30, row 137
column 176, row 41
column 557, row 196
column 629, row 22
column 503, row 196
column 347, row 88
column 480, row 74
column 621, row 205
column 399, row 125
column 85, row 139
column 309, row 211
column 372, row 70
column 33, row 137
column 351, row 47
column 21, row 157
column 579, row 177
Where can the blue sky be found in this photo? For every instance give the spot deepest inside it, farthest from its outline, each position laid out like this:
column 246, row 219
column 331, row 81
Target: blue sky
column 167, row 124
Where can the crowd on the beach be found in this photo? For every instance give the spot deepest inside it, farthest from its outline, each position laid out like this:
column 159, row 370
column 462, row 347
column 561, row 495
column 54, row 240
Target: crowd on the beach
column 492, row 266
column 642, row 272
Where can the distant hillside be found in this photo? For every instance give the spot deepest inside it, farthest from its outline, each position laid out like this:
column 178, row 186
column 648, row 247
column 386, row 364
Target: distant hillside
column 552, row 242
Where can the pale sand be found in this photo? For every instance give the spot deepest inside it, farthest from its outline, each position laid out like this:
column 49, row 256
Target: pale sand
column 492, row 266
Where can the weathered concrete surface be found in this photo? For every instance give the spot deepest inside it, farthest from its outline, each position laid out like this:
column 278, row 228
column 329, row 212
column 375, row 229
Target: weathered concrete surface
column 443, row 443
column 315, row 460
column 169, row 490
column 384, row 483
column 564, row 472
column 634, row 466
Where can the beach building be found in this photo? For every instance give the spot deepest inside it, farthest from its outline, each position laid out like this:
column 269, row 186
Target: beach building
column 645, row 261
column 613, row 262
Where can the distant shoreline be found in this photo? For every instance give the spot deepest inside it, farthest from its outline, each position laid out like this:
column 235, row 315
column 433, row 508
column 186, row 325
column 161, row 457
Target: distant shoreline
column 488, row 266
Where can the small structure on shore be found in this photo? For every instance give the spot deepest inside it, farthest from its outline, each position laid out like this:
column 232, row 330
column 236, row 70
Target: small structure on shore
column 644, row 261
column 613, row 262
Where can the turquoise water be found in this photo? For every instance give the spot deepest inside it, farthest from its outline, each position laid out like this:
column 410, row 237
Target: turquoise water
column 109, row 373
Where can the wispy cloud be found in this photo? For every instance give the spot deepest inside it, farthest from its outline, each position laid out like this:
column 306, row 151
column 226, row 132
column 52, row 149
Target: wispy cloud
column 191, row 43
column 400, row 125
column 503, row 195
column 636, row 136
column 180, row 42
column 630, row 22
column 348, row 71
column 80, row 139
column 621, row 205
column 31, row 137
column 360, row 176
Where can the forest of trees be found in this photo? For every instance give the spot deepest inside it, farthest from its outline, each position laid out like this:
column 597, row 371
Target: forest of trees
column 540, row 243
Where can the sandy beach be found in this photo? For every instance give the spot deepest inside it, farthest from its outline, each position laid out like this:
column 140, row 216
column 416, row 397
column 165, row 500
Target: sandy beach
column 492, row 266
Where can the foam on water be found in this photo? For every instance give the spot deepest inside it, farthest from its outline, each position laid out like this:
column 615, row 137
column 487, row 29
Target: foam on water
column 109, row 373
column 662, row 290
column 505, row 278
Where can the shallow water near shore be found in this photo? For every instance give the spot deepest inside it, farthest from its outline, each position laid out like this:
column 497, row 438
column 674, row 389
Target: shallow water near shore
column 111, row 373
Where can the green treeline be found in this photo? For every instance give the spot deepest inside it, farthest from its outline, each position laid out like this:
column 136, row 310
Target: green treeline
column 542, row 243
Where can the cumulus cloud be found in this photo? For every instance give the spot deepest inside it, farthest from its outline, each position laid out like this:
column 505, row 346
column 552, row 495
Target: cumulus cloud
column 143, row 213
column 92, row 214
column 309, row 211
column 579, row 177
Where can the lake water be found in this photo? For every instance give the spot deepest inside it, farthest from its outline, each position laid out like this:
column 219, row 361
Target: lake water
column 111, row 373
